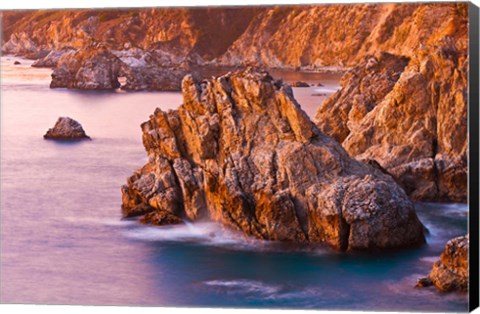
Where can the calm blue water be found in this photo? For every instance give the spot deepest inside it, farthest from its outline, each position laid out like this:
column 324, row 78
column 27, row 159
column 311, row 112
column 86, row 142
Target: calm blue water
column 62, row 240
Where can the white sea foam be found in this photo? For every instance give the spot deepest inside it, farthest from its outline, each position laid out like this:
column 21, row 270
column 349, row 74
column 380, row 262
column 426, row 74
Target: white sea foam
column 213, row 234
column 245, row 286
column 429, row 259
column 326, row 90
column 201, row 233
column 261, row 290
column 96, row 221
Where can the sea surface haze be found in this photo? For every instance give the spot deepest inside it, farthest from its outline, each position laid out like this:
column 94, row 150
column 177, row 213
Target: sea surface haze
column 63, row 240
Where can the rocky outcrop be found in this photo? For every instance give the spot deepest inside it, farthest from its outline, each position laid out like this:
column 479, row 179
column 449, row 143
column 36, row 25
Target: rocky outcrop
column 362, row 88
column 20, row 44
column 450, row 272
column 409, row 114
column 66, row 129
column 95, row 68
column 51, row 60
column 309, row 37
column 150, row 70
column 99, row 68
column 240, row 151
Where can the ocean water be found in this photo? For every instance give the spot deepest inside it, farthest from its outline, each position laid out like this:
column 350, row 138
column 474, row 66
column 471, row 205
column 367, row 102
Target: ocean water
column 63, row 240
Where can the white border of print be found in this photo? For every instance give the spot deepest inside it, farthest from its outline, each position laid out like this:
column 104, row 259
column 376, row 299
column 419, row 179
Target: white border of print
column 50, row 4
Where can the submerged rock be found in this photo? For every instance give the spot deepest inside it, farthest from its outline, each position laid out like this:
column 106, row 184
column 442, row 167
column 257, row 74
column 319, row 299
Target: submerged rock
column 66, row 129
column 450, row 272
column 300, row 84
column 161, row 218
column 240, row 151
column 16, row 63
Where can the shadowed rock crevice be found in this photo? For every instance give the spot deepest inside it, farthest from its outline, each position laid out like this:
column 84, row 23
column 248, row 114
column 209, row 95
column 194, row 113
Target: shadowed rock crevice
column 241, row 149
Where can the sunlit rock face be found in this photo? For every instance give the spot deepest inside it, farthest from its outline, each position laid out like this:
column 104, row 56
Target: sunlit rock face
column 409, row 113
column 240, row 151
column 450, row 272
column 308, row 37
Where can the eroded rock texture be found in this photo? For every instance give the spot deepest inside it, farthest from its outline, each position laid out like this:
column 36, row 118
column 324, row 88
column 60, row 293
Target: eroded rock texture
column 450, row 272
column 51, row 60
column 240, row 151
column 409, row 114
column 100, row 68
column 95, row 68
column 66, row 129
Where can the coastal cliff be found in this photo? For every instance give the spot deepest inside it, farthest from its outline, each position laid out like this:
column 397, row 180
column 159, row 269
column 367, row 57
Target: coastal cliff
column 309, row 37
column 240, row 151
column 408, row 113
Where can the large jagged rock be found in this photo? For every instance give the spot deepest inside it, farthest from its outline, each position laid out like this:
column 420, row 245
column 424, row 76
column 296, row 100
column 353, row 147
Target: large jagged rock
column 450, row 272
column 240, row 151
column 410, row 118
column 66, row 129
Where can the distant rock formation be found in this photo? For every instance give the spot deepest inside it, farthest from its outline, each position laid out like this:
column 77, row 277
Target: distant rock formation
column 299, row 84
column 409, row 114
column 95, row 68
column 240, row 151
column 99, row 68
column 21, row 44
column 450, row 272
column 66, row 129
